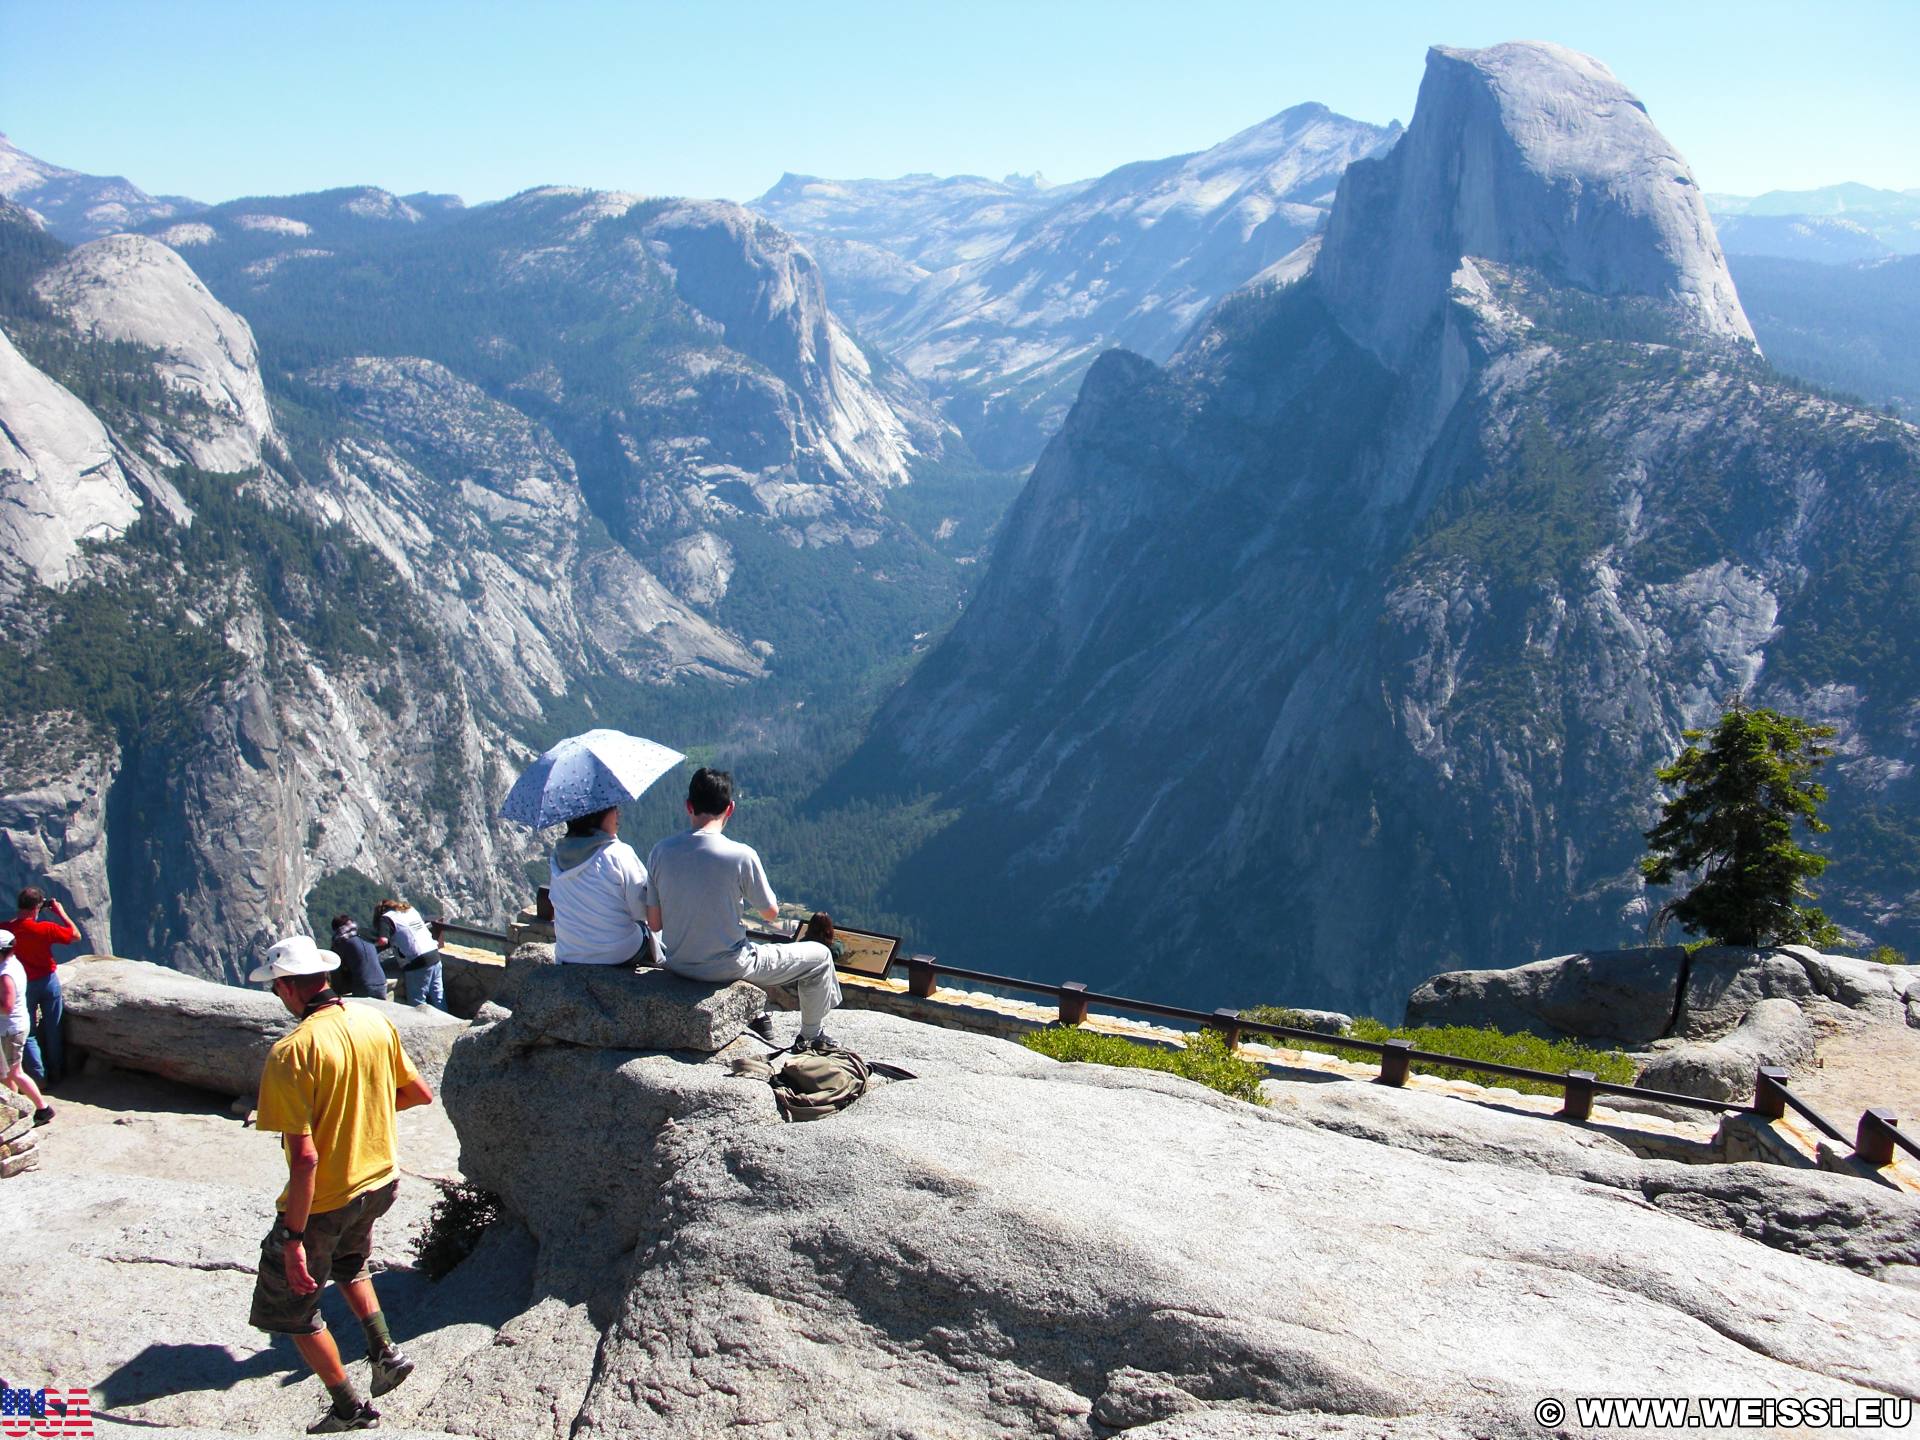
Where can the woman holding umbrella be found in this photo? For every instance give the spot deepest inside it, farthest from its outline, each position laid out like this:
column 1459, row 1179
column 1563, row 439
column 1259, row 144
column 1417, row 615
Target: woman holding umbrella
column 598, row 884
column 599, row 893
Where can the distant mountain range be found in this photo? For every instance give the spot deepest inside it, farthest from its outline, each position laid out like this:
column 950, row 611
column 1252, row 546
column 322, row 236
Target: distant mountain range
column 76, row 207
column 998, row 297
column 1834, row 224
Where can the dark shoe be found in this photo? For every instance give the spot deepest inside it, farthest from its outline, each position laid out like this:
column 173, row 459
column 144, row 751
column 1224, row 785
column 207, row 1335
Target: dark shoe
column 819, row 928
column 390, row 1369
column 43, row 1115
column 822, row 1041
column 362, row 1417
column 762, row 1025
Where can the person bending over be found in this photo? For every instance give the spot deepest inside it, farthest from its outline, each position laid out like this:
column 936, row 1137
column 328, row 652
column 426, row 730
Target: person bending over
column 697, row 883
column 599, row 891
column 402, row 928
column 331, row 1089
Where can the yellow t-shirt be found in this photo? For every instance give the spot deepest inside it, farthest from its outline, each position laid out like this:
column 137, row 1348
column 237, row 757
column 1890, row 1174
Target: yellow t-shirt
column 335, row 1078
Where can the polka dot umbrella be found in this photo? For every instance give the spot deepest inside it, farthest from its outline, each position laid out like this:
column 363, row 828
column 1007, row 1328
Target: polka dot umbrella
column 585, row 774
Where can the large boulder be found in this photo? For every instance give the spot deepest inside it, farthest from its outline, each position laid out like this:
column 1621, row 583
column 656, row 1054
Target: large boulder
column 1611, row 997
column 155, row 1019
column 1724, row 983
column 612, row 1007
column 981, row 1251
column 1628, row 997
column 1774, row 1032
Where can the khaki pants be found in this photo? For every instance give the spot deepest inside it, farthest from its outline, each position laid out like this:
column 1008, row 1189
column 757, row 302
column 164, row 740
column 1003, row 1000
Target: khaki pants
column 338, row 1244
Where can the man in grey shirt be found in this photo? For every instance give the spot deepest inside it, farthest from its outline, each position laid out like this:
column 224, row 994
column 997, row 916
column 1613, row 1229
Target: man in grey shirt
column 697, row 883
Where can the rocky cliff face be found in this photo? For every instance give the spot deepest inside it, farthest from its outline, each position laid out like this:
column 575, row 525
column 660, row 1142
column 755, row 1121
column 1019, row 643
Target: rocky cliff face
column 53, row 815
column 62, row 480
column 1531, row 156
column 681, row 352
column 1001, row 315
column 307, row 614
column 135, row 290
column 1366, row 625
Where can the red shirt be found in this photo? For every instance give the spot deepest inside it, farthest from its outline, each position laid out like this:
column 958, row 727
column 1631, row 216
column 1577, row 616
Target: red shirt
column 33, row 942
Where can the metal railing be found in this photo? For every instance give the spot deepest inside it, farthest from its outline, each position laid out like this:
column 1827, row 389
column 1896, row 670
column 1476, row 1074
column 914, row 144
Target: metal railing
column 493, row 939
column 1874, row 1142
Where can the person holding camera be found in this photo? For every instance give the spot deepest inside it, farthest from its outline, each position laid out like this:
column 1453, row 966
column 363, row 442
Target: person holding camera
column 42, row 924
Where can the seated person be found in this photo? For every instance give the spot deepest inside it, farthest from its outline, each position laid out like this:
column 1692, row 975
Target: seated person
column 599, row 891
column 696, row 885
column 360, row 972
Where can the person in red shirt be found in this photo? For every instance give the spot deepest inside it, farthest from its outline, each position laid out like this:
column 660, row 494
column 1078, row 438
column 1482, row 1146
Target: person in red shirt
column 41, row 925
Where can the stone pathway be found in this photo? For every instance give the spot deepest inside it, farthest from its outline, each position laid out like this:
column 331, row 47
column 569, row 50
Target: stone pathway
column 1865, row 1067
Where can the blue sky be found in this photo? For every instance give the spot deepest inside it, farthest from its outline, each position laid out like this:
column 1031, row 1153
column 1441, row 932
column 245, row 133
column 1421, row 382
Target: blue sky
column 216, row 100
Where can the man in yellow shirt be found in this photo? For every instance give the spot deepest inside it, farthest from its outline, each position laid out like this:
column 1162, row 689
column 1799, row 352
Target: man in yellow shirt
column 331, row 1090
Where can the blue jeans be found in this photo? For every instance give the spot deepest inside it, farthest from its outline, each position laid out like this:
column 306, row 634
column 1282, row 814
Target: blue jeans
column 46, row 1057
column 425, row 986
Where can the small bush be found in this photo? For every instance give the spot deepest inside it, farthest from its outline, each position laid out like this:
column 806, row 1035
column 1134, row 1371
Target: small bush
column 1205, row 1058
column 1497, row 1047
column 459, row 1219
column 1281, row 1015
column 1887, row 955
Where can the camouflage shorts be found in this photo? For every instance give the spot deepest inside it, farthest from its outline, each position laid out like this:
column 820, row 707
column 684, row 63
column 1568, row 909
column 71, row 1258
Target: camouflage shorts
column 338, row 1243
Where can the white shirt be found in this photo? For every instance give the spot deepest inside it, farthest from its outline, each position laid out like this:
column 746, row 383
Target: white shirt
column 15, row 1021
column 599, row 907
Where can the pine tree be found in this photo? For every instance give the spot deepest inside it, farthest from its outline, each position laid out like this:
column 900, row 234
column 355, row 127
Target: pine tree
column 1732, row 824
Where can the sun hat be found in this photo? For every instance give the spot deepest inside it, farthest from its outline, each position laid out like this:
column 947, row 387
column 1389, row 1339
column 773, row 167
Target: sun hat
column 295, row 955
column 6, row 941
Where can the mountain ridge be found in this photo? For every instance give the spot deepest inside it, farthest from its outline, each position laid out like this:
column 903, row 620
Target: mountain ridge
column 1003, row 322
column 1381, row 631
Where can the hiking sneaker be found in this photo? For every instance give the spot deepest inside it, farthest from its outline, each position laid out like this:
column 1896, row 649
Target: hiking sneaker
column 820, row 1042
column 762, row 1025
column 43, row 1115
column 362, row 1417
column 390, row 1369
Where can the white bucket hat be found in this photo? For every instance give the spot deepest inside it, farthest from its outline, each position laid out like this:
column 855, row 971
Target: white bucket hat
column 295, row 955
column 6, row 941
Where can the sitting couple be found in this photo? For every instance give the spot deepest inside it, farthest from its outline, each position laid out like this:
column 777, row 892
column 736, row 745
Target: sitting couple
column 689, row 895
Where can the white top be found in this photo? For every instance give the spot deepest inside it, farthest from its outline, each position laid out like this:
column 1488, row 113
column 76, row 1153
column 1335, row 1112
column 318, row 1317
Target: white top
column 600, row 907
column 700, row 879
column 14, row 1022
column 412, row 936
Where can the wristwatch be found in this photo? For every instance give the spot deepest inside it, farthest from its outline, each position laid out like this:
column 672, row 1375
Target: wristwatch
column 286, row 1232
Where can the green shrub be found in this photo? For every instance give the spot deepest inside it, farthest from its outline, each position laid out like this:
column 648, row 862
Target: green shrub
column 1886, row 955
column 1497, row 1047
column 1279, row 1015
column 453, row 1229
column 1205, row 1057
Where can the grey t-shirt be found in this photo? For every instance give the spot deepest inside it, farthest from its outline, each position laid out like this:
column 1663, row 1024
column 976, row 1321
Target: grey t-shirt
column 699, row 880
